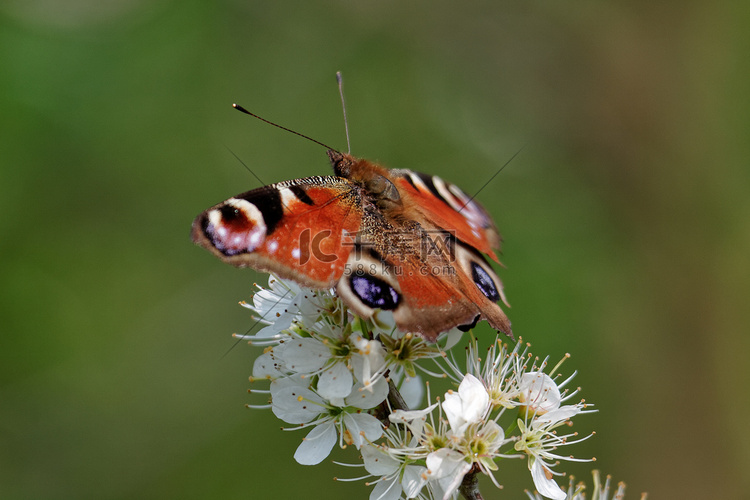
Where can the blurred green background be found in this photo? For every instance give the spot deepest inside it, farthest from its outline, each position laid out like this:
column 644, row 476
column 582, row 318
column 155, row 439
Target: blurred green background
column 626, row 221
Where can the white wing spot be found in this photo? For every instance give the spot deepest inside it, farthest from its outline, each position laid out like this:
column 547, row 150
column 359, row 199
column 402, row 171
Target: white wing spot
column 418, row 183
column 287, row 197
column 227, row 238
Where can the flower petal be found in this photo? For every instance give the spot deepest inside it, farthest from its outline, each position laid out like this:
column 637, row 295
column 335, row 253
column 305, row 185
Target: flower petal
column 413, row 419
column 317, row 445
column 558, row 415
column 305, row 355
column 412, row 390
column 539, row 392
column 413, row 480
column 368, row 398
column 295, row 404
column 448, row 468
column 467, row 406
column 362, row 428
column 378, row 462
column 335, row 382
column 544, row 484
column 266, row 366
column 452, row 337
column 368, row 360
column 386, row 489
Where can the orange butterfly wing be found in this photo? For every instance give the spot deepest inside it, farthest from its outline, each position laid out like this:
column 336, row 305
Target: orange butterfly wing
column 300, row 230
column 448, row 207
column 427, row 293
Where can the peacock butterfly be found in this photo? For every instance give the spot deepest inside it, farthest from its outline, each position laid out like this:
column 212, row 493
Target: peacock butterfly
column 388, row 239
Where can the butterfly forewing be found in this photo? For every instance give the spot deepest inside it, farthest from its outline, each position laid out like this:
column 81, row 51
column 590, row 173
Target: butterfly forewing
column 300, row 230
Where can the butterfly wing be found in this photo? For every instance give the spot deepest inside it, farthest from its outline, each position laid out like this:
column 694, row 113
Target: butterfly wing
column 448, row 207
column 428, row 292
column 299, row 230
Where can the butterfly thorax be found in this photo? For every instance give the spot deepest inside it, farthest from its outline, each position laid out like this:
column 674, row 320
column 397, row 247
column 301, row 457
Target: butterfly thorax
column 388, row 231
column 374, row 181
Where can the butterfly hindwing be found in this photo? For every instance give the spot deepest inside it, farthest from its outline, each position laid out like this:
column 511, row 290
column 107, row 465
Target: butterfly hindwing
column 429, row 288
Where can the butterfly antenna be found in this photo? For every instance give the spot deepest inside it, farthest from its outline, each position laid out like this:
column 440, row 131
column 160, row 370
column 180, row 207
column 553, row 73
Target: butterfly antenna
column 340, row 80
column 244, row 165
column 240, row 108
column 491, row 178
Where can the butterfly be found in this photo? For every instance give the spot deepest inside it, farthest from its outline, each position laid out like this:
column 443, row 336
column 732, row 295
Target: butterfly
column 385, row 239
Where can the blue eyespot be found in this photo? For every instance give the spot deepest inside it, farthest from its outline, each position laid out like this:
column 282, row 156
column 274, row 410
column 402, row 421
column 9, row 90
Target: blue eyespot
column 374, row 292
column 484, row 282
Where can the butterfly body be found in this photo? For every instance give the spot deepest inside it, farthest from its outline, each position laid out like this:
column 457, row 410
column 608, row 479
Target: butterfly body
column 393, row 240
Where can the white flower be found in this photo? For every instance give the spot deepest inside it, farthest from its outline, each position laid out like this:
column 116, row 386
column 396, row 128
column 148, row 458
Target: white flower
column 501, row 374
column 277, row 305
column 403, row 350
column 470, row 438
column 446, row 468
column 498, row 369
column 337, row 356
column 294, row 403
column 539, row 393
column 395, row 476
column 413, row 419
column 539, row 440
column 484, row 446
column 473, row 435
column 398, row 460
column 327, row 370
column 368, row 363
column 468, row 406
column 599, row 491
column 284, row 305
